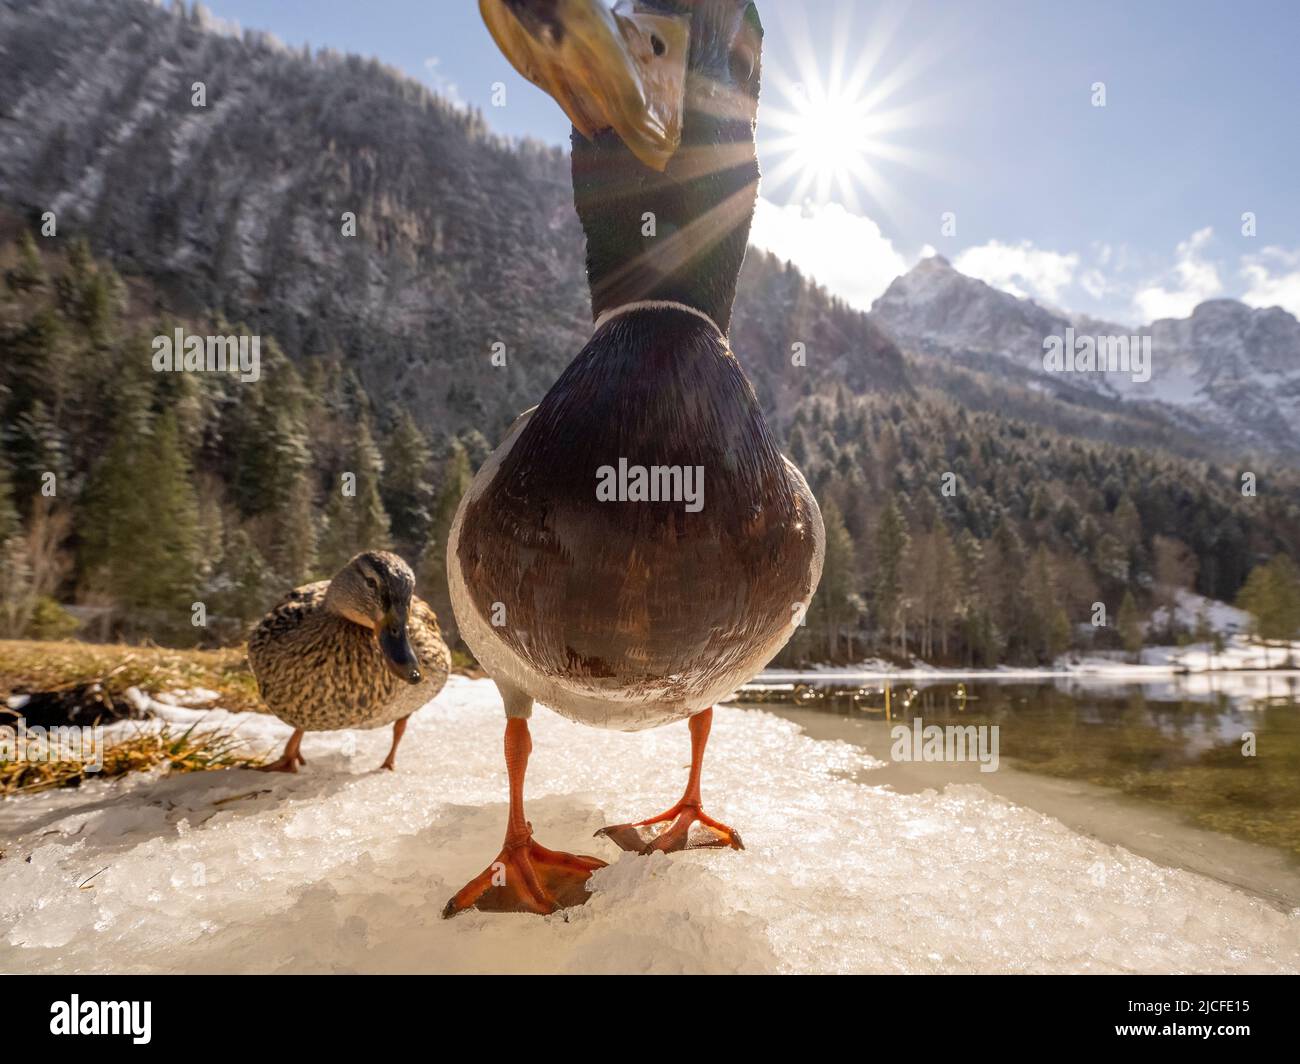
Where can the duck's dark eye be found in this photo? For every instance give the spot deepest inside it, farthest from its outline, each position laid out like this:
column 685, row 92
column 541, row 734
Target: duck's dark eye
column 743, row 60
column 657, row 43
column 747, row 47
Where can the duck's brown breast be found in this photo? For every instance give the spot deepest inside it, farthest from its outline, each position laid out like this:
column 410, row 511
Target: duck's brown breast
column 597, row 591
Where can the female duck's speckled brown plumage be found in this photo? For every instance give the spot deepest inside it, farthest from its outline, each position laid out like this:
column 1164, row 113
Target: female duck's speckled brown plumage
column 318, row 658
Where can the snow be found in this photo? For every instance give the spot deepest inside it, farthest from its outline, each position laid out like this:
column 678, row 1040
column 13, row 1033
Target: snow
column 1230, row 666
column 343, row 868
column 1190, row 608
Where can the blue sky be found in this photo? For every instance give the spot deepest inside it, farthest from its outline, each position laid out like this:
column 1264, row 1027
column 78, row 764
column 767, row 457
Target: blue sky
column 982, row 110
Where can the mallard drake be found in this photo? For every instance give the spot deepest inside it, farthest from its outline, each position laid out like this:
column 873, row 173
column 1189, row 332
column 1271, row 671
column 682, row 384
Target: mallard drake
column 357, row 651
column 638, row 546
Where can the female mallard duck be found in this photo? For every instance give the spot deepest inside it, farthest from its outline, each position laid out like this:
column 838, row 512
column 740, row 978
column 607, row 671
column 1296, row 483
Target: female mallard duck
column 638, row 546
column 358, row 651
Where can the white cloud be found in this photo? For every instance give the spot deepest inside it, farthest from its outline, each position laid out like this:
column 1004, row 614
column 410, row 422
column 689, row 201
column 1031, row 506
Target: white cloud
column 845, row 252
column 1094, row 283
column 1021, row 269
column 442, row 85
column 1196, row 279
column 1273, row 277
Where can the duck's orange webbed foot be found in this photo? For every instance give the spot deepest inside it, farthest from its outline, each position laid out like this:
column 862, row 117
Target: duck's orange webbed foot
column 526, row 877
column 683, row 827
column 290, row 759
column 686, row 826
column 283, row 764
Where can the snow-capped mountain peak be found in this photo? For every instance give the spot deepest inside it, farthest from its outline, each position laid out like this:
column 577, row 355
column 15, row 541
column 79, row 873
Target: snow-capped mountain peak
column 1229, row 372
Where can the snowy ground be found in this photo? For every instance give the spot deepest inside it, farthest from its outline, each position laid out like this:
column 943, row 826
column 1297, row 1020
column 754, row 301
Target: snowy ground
column 1239, row 654
column 346, row 869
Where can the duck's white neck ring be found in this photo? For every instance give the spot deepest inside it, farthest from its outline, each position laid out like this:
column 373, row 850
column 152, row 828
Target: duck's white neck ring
column 653, row 304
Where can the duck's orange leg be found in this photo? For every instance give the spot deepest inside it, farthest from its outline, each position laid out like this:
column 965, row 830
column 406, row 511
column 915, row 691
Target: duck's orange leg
column 290, row 759
column 525, row 877
column 672, row 830
column 399, row 729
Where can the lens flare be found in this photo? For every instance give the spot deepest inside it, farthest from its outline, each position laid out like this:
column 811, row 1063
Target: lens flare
column 832, row 119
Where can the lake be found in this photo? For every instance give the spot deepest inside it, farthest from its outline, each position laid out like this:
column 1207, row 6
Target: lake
column 1198, row 771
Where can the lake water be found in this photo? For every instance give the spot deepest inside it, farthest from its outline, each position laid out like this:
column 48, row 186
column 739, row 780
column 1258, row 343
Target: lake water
column 1200, row 771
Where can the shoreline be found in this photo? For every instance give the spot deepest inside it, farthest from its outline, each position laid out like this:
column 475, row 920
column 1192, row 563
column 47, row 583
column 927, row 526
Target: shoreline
column 1118, row 673
column 1110, row 817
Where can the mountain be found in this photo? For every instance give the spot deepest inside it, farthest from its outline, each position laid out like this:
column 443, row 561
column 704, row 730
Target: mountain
column 939, row 311
column 976, row 507
column 463, row 240
column 1234, row 366
column 1229, row 375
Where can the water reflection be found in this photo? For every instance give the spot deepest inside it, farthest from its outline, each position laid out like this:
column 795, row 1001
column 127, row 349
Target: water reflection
column 1224, row 750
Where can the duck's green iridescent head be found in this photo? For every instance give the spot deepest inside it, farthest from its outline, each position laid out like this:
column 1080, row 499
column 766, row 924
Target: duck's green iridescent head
column 374, row 590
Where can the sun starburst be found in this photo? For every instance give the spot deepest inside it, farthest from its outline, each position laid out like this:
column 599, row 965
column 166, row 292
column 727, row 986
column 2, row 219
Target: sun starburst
column 831, row 120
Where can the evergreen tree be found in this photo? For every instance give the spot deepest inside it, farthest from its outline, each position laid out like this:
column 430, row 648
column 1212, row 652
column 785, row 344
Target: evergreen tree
column 272, row 477
column 29, row 273
column 268, row 436
column 1040, row 620
column 1004, row 562
column 1129, row 623
column 407, row 493
column 932, row 578
column 35, row 365
column 891, row 545
column 355, row 518
column 40, row 448
column 9, row 525
column 15, row 574
column 1271, row 596
column 835, row 605
column 246, row 586
column 456, row 479
column 89, row 294
column 476, row 447
column 142, row 519
column 798, row 448
column 293, row 542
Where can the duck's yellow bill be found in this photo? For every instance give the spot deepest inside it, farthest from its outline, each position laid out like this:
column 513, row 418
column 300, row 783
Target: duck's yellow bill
column 620, row 69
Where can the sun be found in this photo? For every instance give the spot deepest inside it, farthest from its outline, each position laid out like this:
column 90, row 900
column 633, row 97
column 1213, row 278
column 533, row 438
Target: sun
column 834, row 113
column 826, row 141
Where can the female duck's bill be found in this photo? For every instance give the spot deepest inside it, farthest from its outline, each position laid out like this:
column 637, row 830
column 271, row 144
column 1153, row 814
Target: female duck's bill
column 623, row 69
column 394, row 639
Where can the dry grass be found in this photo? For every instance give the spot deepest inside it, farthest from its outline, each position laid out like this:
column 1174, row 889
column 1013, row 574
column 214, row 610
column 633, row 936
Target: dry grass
column 28, row 665
column 187, row 751
column 31, row 666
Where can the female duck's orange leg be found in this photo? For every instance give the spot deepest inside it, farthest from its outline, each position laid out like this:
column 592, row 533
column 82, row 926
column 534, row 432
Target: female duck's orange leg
column 399, row 729
column 671, row 831
column 525, row 877
column 290, row 759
